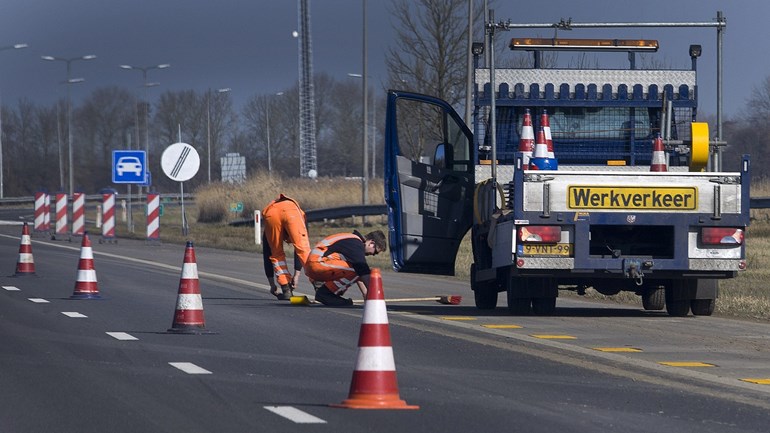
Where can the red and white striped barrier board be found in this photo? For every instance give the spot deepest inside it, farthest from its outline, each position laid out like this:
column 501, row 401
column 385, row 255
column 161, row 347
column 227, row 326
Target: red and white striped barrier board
column 61, row 214
column 153, row 217
column 78, row 213
column 47, row 212
column 108, row 215
column 42, row 221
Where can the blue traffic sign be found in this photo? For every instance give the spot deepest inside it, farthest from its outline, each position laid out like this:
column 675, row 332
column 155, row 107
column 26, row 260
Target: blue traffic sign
column 129, row 166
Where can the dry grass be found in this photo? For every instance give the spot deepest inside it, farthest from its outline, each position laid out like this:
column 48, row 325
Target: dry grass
column 746, row 296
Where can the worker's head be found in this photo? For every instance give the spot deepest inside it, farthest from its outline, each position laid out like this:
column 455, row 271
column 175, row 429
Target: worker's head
column 375, row 243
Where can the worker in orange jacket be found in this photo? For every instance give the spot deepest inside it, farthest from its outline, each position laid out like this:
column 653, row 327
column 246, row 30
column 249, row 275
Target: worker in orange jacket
column 339, row 261
column 285, row 221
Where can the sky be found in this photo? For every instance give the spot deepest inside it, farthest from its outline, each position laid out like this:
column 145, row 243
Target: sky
column 247, row 45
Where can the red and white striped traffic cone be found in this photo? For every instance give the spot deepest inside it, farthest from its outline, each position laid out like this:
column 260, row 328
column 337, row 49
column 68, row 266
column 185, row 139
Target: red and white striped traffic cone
column 540, row 160
column 659, row 160
column 25, row 266
column 86, row 286
column 546, row 124
column 188, row 317
column 374, row 384
column 527, row 138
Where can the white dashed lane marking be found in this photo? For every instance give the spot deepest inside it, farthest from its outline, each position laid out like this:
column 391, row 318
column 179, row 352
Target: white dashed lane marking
column 122, row 336
column 11, row 288
column 74, row 314
column 189, row 368
column 295, row 415
column 39, row 300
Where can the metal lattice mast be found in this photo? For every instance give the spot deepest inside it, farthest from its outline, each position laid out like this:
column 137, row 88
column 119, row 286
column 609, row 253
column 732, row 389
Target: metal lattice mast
column 307, row 149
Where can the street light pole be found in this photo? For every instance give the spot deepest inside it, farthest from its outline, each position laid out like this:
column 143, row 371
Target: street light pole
column 365, row 174
column 208, row 125
column 2, row 165
column 145, row 84
column 69, row 81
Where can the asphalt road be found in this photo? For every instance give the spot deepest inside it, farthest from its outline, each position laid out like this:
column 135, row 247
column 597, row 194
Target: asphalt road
column 266, row 365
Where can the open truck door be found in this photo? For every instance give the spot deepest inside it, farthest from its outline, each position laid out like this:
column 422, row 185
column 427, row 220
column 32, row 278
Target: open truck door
column 429, row 182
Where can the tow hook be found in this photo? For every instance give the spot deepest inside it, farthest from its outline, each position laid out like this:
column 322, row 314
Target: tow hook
column 633, row 269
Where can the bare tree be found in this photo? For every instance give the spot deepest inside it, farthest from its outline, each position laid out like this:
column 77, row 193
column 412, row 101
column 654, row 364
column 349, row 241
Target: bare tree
column 431, row 45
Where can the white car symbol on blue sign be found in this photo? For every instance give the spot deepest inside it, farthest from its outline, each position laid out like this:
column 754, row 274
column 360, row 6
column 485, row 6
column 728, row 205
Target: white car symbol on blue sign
column 128, row 166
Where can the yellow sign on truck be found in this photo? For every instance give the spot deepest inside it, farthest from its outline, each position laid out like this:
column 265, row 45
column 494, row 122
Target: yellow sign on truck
column 632, row 198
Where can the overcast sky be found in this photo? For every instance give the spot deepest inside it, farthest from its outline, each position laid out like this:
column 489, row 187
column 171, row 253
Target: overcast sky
column 248, row 45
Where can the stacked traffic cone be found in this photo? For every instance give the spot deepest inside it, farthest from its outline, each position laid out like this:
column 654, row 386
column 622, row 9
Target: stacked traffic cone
column 659, row 162
column 25, row 266
column 540, row 160
column 374, row 384
column 86, row 286
column 188, row 317
column 527, row 138
column 546, row 124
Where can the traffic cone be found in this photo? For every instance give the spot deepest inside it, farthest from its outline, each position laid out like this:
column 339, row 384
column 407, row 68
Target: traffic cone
column 188, row 317
column 541, row 161
column 546, row 124
column 86, row 286
column 374, row 384
column 527, row 138
column 658, row 155
column 25, row 266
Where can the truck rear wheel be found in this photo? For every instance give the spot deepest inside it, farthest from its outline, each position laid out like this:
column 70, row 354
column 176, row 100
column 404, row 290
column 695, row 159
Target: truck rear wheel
column 484, row 293
column 676, row 307
column 654, row 298
column 703, row 307
column 544, row 306
column 518, row 306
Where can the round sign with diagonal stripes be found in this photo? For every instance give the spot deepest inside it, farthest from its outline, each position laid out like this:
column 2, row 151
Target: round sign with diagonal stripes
column 180, row 162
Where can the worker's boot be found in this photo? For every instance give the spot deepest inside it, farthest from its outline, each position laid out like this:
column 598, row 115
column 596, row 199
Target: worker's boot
column 287, row 292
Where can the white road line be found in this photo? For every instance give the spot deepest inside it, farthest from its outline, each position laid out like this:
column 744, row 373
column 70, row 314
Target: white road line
column 39, row 300
column 189, row 368
column 293, row 414
column 11, row 288
column 74, row 314
column 122, row 336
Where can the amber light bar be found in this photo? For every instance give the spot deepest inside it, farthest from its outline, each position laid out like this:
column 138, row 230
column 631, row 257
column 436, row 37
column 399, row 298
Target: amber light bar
column 549, row 44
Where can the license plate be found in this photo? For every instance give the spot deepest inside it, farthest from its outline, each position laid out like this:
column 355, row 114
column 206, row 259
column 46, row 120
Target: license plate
column 557, row 250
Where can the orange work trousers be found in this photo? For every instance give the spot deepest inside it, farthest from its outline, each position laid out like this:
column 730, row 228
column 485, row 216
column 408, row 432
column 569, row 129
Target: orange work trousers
column 333, row 269
column 285, row 222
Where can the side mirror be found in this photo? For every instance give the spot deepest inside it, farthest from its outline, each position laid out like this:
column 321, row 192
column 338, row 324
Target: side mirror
column 439, row 155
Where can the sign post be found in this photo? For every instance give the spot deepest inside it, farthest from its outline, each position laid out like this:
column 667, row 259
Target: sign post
column 180, row 162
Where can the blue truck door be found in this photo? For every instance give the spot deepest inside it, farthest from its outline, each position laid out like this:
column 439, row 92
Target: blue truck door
column 429, row 182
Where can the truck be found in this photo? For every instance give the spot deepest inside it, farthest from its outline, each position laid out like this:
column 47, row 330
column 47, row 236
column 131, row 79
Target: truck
column 599, row 219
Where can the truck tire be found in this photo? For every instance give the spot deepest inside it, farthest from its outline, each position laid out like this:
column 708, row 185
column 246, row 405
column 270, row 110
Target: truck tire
column 484, row 294
column 677, row 308
column 519, row 306
column 544, row 306
column 702, row 307
column 654, row 298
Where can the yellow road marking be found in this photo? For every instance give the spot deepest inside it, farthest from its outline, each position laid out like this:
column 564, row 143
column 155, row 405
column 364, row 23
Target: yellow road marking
column 687, row 364
column 458, row 318
column 617, row 349
column 502, row 326
column 758, row 381
column 554, row 337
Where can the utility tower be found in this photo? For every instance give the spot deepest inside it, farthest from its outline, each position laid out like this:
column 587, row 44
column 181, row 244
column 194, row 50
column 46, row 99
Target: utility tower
column 307, row 151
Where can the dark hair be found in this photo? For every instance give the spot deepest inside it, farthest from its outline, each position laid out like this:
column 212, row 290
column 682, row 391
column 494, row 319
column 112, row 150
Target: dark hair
column 379, row 240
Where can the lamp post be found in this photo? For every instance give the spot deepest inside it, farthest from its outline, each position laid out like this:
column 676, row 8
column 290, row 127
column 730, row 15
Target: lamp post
column 2, row 165
column 145, row 84
column 208, row 125
column 267, row 128
column 69, row 81
column 365, row 174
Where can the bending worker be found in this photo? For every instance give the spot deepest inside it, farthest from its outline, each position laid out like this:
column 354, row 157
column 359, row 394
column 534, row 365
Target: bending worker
column 338, row 261
column 285, row 222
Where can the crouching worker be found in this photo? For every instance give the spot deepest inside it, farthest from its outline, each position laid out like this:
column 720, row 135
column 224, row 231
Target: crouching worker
column 339, row 261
